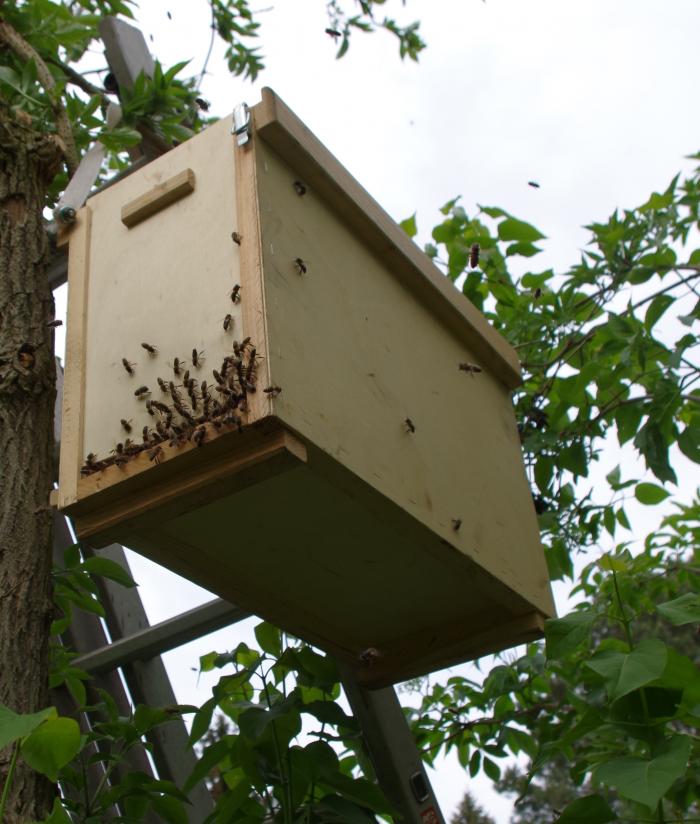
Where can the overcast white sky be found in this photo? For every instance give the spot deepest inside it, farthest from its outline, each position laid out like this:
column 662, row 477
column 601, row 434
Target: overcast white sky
column 595, row 100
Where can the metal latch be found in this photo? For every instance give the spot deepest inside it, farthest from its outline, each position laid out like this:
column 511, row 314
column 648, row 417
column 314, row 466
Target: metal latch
column 241, row 124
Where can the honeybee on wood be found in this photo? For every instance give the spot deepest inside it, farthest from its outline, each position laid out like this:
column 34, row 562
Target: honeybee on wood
column 161, row 407
column 163, row 385
column 410, row 426
column 156, row 454
column 161, row 429
column 118, row 449
column 299, row 187
column 472, row 368
column 146, row 433
column 193, row 399
column 126, row 425
column 236, row 238
column 272, row 391
column 120, row 460
column 369, row 656
column 149, row 408
column 152, row 350
column 228, row 322
column 197, row 358
column 128, row 366
column 200, row 435
column 233, row 420
column 301, row 266
column 142, row 391
column 236, row 293
column 177, row 363
column 174, row 394
column 474, row 255
column 216, row 408
column 91, row 459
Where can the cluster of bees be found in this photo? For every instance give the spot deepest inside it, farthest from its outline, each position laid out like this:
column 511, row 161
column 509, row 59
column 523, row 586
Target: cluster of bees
column 188, row 404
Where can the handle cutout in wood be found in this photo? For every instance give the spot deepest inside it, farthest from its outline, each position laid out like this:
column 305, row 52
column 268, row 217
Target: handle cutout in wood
column 157, row 198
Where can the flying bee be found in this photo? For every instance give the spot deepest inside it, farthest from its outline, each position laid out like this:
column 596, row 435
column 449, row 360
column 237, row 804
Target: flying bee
column 236, row 293
column 126, row 425
column 52, row 324
column 228, row 322
column 200, row 436
column 236, row 238
column 410, row 426
column 534, row 184
column 152, row 350
column 272, row 391
column 299, row 187
column 456, row 524
column 163, row 385
column 197, row 358
column 128, row 366
column 474, row 255
column 301, row 267
column 156, row 454
column 472, row 368
column 177, row 363
column 142, row 391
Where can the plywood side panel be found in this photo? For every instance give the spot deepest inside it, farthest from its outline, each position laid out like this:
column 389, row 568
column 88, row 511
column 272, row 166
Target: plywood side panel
column 357, row 354
column 165, row 281
column 276, row 123
column 71, row 455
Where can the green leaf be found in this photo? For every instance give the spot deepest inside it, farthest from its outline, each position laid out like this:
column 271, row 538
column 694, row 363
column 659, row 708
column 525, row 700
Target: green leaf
column 108, row 569
column 337, row 810
column 656, row 308
column 647, row 780
column 563, row 635
column 14, row 726
column 650, row 494
column 269, row 638
column 522, row 249
column 409, row 225
column 512, row 229
column 491, row 769
column 52, row 745
column 625, row 672
column 683, row 610
column 689, row 443
column 591, row 809
column 58, row 814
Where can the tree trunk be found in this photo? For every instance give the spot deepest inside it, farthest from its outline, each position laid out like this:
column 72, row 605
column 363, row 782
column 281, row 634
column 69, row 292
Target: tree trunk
column 28, row 162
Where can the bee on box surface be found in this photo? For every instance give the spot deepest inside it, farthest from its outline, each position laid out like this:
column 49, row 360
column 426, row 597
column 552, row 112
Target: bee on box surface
column 218, row 377
column 236, row 293
column 126, row 425
column 299, row 187
column 146, row 433
column 177, row 364
column 142, row 391
column 197, row 358
column 163, row 385
column 128, row 366
column 118, row 449
column 228, row 322
column 174, row 394
column 152, row 350
column 410, row 426
column 236, row 238
column 161, row 407
column 149, row 408
column 472, row 368
column 156, row 454
column 456, row 524
column 301, row 266
column 272, row 391
column 233, row 420
column 200, row 436
column 369, row 656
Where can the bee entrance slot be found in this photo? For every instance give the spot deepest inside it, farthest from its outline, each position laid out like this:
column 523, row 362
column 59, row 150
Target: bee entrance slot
column 157, row 198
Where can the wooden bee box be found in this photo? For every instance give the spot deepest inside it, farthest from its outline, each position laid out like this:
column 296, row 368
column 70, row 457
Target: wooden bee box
column 354, row 474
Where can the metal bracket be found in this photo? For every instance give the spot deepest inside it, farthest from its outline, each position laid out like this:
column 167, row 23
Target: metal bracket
column 241, row 124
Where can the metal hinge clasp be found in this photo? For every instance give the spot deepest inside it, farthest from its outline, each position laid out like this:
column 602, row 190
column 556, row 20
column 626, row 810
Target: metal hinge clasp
column 241, row 124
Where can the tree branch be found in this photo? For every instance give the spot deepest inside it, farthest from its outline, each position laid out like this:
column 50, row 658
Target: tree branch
column 13, row 40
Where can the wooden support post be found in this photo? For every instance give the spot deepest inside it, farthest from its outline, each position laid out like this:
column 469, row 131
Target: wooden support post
column 393, row 752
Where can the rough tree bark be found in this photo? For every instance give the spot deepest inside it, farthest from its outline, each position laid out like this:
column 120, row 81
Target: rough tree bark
column 28, row 161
